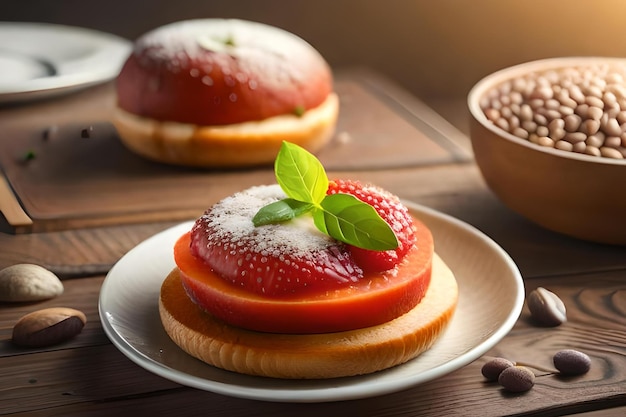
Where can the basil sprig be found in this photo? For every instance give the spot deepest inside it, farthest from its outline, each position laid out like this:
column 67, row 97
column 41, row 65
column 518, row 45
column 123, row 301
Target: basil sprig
column 342, row 216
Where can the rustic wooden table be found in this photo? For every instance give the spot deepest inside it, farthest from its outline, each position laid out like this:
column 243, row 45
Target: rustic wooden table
column 83, row 202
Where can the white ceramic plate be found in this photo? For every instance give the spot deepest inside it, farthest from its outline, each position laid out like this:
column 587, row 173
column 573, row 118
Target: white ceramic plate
column 39, row 60
column 491, row 295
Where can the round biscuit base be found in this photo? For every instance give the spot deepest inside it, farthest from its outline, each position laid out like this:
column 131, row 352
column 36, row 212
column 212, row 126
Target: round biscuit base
column 309, row 356
column 228, row 146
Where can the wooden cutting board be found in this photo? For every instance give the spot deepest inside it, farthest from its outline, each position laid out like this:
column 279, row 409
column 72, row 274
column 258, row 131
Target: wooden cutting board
column 64, row 163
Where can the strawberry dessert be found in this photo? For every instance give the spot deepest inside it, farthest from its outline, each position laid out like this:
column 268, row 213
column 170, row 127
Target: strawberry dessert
column 337, row 269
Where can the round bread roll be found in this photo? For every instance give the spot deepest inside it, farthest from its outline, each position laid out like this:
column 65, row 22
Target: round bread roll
column 223, row 93
column 309, row 356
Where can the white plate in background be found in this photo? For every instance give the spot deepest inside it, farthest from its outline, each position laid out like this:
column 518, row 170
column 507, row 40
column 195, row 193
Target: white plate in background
column 39, row 60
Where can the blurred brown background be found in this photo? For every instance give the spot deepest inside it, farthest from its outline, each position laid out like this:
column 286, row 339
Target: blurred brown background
column 433, row 48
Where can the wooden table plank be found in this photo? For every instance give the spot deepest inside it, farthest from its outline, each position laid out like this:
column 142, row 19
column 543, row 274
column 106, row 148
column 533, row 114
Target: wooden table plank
column 91, row 375
column 454, row 189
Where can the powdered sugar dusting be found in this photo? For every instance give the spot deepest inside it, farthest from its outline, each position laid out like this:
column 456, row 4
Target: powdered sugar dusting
column 278, row 259
column 232, row 218
column 219, row 41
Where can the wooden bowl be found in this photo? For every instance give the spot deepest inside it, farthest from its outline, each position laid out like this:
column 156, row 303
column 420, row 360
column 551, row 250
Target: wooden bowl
column 578, row 195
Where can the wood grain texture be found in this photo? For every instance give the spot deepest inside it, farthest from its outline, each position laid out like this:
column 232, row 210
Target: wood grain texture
column 88, row 376
column 75, row 165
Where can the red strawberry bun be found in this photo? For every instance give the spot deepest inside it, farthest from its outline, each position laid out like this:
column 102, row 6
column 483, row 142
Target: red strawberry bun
column 223, row 93
column 287, row 301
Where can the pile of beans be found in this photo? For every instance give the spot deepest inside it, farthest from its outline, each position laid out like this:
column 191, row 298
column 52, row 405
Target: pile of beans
column 579, row 109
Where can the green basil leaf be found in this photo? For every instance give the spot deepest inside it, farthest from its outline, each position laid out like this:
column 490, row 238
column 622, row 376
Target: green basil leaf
column 280, row 211
column 300, row 174
column 349, row 220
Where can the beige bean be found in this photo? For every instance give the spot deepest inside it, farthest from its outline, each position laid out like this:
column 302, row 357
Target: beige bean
column 575, row 137
column 529, row 125
column 572, row 122
column 621, row 118
column 608, row 152
column 594, row 141
column 492, row 114
column 592, row 150
column 502, row 124
column 593, row 91
column 496, row 104
column 593, row 101
column 609, row 98
column 550, row 114
column 612, row 127
column 506, row 112
column 525, row 112
column 600, row 134
column 614, row 78
column 613, row 142
column 612, row 112
column 505, row 89
column 565, row 99
column 542, row 140
column 576, row 94
column 516, row 97
column 543, row 93
column 583, row 111
column 485, row 102
column 589, row 126
column 540, row 119
column 564, row 145
column 558, row 134
column 617, row 89
column 598, row 84
column 520, row 133
column 579, row 147
column 552, row 104
column 556, row 124
column 604, row 119
column 543, row 131
column 565, row 110
column 518, row 85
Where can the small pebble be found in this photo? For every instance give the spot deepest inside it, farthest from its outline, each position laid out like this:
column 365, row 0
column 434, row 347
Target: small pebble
column 571, row 362
column 546, row 307
column 492, row 369
column 517, row 379
column 28, row 282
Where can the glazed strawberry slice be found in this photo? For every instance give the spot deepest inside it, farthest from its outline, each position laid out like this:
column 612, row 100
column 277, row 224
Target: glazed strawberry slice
column 391, row 209
column 275, row 260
